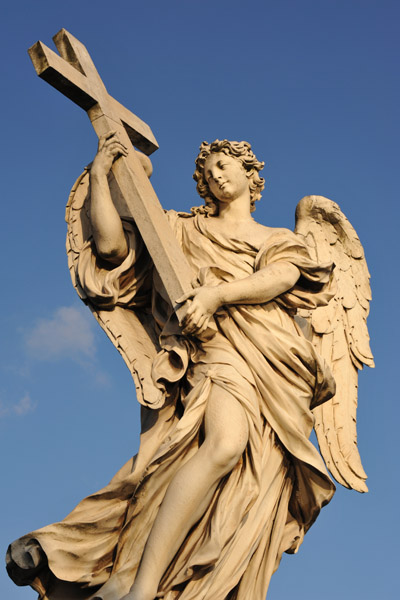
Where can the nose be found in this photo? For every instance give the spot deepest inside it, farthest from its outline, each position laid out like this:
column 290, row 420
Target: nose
column 215, row 174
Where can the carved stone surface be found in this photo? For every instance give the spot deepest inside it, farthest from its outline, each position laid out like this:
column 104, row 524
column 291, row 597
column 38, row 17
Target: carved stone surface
column 269, row 338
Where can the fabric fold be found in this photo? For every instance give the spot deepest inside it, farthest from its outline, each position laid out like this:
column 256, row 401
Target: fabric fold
column 259, row 355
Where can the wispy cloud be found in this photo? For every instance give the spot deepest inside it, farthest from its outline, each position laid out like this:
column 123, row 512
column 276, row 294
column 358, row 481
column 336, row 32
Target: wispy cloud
column 68, row 333
column 21, row 408
column 24, row 406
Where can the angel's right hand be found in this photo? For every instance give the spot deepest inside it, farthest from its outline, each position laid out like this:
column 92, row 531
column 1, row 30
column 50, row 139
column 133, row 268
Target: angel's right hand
column 108, row 150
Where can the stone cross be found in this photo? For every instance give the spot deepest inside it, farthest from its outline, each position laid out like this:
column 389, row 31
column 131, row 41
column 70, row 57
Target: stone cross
column 74, row 74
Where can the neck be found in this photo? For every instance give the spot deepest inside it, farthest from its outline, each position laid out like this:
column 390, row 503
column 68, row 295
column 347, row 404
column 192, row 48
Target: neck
column 236, row 210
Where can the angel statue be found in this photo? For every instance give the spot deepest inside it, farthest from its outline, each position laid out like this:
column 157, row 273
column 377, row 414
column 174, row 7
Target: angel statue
column 225, row 479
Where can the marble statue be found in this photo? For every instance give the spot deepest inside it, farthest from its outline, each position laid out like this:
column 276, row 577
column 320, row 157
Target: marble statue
column 232, row 376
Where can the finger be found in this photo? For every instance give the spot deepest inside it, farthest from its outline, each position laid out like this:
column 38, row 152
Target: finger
column 201, row 330
column 202, row 325
column 105, row 137
column 193, row 317
column 187, row 330
column 110, row 134
column 190, row 321
column 197, row 328
column 196, row 318
column 187, row 321
column 190, row 311
column 186, row 297
column 114, row 140
column 115, row 151
column 115, row 148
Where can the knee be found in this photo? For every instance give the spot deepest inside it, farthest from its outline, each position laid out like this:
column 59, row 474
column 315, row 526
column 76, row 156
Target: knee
column 225, row 452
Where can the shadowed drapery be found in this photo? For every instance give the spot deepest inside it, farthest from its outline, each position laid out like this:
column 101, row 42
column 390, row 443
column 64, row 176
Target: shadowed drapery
column 276, row 490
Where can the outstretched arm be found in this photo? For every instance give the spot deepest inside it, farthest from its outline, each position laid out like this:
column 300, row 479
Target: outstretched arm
column 260, row 287
column 107, row 228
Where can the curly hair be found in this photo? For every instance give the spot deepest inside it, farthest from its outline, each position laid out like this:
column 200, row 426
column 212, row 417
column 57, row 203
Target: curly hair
column 242, row 152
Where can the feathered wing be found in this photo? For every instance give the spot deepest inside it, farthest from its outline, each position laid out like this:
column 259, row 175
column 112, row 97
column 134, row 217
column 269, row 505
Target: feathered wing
column 339, row 332
column 131, row 332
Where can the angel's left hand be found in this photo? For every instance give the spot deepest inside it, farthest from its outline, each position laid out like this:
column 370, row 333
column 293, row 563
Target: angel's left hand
column 205, row 302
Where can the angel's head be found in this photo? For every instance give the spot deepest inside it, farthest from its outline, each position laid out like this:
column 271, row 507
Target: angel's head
column 240, row 152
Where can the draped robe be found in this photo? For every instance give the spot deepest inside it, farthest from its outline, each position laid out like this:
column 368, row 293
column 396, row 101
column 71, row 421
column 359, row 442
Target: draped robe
column 260, row 355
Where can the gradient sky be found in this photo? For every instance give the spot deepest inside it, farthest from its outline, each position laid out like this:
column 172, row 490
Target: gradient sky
column 314, row 86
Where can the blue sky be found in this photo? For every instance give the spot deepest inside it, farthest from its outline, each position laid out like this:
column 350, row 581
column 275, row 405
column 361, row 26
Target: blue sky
column 314, row 86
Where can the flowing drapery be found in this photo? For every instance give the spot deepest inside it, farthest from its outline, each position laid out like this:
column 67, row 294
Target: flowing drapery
column 274, row 493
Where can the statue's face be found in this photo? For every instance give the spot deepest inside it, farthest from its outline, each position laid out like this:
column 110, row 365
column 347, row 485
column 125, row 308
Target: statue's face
column 226, row 177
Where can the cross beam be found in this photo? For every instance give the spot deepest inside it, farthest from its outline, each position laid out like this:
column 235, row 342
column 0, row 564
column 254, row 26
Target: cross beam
column 73, row 73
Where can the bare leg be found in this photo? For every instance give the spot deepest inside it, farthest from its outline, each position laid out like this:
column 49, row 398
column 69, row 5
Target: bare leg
column 191, row 490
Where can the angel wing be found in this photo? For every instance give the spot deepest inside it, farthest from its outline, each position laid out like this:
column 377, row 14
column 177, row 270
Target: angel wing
column 131, row 332
column 339, row 332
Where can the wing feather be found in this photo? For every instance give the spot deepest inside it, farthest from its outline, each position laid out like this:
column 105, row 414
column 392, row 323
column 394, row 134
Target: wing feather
column 340, row 333
column 131, row 332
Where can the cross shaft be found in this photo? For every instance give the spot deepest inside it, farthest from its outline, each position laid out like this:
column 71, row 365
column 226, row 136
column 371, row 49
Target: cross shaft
column 74, row 74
